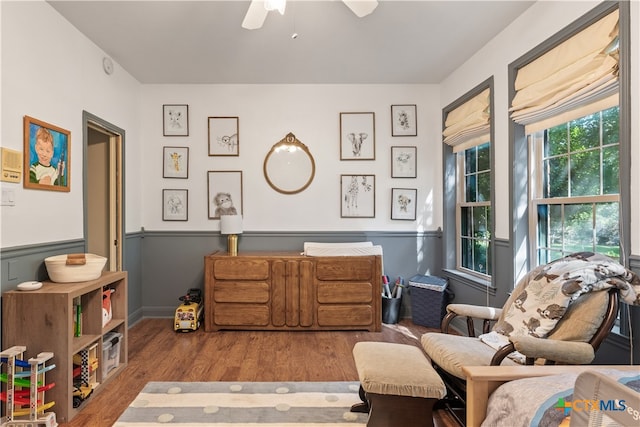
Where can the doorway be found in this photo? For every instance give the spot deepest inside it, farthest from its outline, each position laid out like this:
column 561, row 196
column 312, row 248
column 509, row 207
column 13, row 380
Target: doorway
column 103, row 190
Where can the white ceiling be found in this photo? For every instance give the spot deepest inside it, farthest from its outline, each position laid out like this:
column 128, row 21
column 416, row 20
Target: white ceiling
column 185, row 42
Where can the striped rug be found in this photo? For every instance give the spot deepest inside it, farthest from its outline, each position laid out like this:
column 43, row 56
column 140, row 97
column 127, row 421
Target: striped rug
column 236, row 404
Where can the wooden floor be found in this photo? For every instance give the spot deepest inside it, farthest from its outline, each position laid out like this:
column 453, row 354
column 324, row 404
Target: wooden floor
column 157, row 353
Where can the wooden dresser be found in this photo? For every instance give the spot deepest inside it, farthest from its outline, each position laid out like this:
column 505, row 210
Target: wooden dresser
column 289, row 291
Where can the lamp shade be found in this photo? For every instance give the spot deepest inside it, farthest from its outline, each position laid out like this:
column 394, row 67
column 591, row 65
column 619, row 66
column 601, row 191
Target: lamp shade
column 230, row 224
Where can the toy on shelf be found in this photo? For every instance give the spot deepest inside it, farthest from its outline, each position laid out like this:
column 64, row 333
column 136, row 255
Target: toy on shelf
column 85, row 367
column 81, row 392
column 189, row 314
column 26, row 407
column 107, row 313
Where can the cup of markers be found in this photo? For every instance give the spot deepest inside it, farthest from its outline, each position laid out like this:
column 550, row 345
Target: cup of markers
column 391, row 300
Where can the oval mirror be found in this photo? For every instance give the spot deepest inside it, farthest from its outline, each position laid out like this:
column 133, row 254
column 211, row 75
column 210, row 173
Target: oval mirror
column 289, row 167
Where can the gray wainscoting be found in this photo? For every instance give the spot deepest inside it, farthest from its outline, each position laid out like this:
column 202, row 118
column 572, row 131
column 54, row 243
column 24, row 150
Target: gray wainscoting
column 173, row 262
column 162, row 266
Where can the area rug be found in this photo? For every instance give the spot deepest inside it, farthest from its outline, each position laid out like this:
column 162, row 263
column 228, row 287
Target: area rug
column 236, row 404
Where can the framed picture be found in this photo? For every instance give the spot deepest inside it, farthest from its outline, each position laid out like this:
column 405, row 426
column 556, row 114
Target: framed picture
column 358, row 196
column 403, row 203
column 175, row 205
column 175, row 120
column 223, row 136
column 175, row 162
column 47, row 156
column 224, row 189
column 357, row 136
column 403, row 162
column 403, row 120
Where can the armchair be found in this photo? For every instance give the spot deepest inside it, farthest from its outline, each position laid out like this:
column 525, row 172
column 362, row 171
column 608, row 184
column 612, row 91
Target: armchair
column 558, row 313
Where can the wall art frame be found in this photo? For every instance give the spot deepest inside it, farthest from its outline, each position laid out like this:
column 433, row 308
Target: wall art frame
column 224, row 192
column 357, row 196
column 403, row 161
column 357, row 136
column 404, row 120
column 47, row 156
column 224, row 137
column 175, row 120
column 175, row 205
column 403, row 203
column 175, row 162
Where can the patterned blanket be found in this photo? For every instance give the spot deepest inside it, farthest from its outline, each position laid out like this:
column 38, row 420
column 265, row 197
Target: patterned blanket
column 553, row 287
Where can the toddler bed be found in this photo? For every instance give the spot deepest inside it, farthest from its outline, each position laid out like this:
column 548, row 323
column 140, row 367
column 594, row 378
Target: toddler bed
column 562, row 400
column 553, row 396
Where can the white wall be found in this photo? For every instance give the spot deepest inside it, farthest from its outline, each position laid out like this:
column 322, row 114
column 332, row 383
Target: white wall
column 266, row 114
column 52, row 73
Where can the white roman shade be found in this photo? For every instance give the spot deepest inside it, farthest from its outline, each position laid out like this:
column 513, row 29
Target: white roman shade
column 469, row 124
column 574, row 79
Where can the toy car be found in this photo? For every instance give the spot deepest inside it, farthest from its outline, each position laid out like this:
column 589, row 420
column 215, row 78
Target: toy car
column 81, row 392
column 188, row 315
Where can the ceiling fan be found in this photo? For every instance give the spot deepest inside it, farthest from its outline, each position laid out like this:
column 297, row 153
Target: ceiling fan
column 258, row 10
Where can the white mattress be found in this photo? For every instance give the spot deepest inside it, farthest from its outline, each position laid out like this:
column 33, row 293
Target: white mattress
column 335, row 245
column 343, row 250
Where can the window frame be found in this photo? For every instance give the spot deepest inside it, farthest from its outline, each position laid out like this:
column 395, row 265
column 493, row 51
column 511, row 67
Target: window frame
column 518, row 145
column 451, row 189
column 536, row 143
column 461, row 203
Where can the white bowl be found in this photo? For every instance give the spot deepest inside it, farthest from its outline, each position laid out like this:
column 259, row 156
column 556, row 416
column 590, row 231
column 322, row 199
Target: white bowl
column 61, row 272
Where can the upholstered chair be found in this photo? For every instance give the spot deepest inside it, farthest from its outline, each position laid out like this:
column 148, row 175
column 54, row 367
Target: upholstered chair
column 567, row 335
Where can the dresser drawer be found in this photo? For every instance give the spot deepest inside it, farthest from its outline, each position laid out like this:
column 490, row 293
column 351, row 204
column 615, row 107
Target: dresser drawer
column 343, row 315
column 345, row 268
column 241, row 315
column 241, row 269
column 241, row 291
column 344, row 292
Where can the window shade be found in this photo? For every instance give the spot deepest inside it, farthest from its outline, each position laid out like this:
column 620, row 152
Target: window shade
column 576, row 78
column 469, row 124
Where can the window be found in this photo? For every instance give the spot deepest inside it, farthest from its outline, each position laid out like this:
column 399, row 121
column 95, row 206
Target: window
column 573, row 154
column 468, row 205
column 576, row 193
column 474, row 209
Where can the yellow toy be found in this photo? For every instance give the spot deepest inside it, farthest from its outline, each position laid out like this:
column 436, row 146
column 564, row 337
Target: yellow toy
column 189, row 314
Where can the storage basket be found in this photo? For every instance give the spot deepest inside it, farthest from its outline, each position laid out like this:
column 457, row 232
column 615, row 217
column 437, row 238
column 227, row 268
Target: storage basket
column 110, row 352
column 428, row 300
column 74, row 267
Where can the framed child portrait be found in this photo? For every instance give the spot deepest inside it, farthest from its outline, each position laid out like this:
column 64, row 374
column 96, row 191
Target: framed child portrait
column 47, row 156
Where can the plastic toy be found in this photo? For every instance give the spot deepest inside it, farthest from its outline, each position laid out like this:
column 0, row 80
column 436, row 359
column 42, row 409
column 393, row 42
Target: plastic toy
column 81, row 391
column 25, row 403
column 188, row 315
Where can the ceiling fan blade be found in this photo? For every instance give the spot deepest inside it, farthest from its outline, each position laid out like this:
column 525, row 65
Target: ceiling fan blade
column 256, row 14
column 361, row 7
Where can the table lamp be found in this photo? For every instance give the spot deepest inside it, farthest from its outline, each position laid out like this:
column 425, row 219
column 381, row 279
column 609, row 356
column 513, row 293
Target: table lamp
column 232, row 226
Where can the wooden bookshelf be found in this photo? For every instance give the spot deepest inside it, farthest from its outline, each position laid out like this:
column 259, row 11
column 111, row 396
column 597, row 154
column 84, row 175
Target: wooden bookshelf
column 43, row 321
